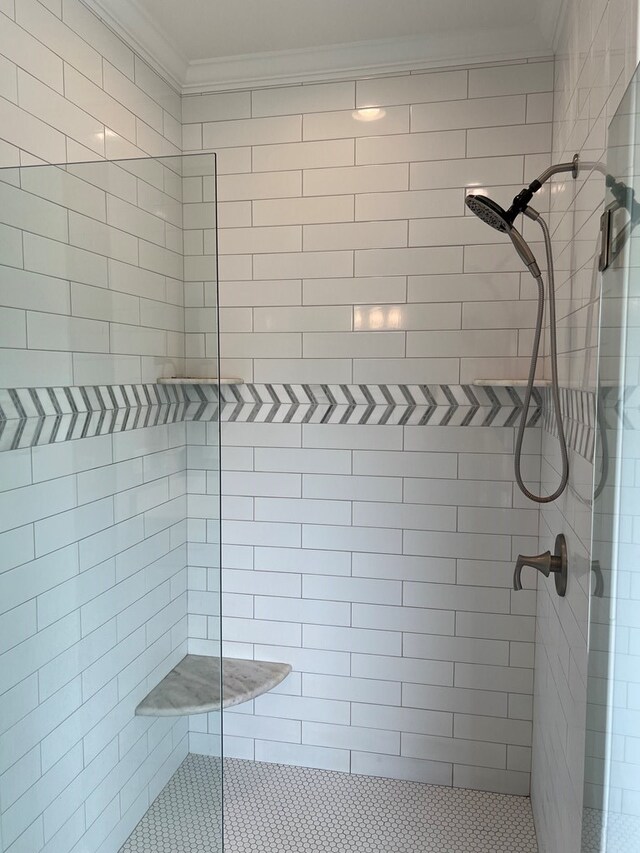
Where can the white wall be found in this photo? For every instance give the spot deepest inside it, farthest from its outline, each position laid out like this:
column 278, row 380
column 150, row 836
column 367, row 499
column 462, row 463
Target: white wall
column 346, row 251
column 91, row 274
column 94, row 294
column 412, row 656
column 93, row 543
column 72, row 90
column 94, row 613
column 596, row 57
column 300, row 305
column 377, row 559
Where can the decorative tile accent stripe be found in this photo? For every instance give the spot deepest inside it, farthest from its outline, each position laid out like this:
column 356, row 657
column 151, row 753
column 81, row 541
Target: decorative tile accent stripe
column 30, row 416
column 24, row 403
column 34, row 416
column 29, row 432
column 436, row 405
column 579, row 416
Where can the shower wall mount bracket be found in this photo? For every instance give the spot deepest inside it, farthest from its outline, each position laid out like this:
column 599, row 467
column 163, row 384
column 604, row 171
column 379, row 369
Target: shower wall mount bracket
column 575, row 162
column 547, row 563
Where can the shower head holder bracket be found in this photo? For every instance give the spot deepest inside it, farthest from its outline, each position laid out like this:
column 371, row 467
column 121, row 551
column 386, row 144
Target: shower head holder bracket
column 521, row 201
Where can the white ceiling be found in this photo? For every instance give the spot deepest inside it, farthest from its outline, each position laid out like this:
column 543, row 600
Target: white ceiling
column 197, row 39
column 203, row 29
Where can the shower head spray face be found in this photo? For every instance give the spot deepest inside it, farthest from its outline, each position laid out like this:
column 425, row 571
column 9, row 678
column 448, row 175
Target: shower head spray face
column 495, row 216
column 490, row 212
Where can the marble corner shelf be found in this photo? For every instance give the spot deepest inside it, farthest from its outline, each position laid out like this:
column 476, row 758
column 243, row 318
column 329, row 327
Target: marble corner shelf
column 193, row 686
column 510, row 383
column 200, row 380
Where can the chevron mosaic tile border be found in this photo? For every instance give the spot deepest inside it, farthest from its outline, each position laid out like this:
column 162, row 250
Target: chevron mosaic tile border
column 32, row 416
column 50, row 429
column 21, row 403
column 405, row 405
column 579, row 417
column 35, row 416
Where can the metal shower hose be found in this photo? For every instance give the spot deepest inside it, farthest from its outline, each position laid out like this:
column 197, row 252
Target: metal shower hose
column 554, row 379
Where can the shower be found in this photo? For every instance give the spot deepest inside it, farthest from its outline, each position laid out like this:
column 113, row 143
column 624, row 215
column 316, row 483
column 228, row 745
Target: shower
column 502, row 220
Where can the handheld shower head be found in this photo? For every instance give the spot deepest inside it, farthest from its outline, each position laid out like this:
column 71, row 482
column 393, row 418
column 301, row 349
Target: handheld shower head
column 502, row 220
column 490, row 212
column 522, row 248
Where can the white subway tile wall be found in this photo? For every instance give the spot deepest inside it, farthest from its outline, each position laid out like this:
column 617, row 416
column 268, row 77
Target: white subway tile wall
column 96, row 288
column 597, row 55
column 79, row 93
column 93, row 572
column 319, row 207
column 104, row 299
column 362, row 554
column 93, row 594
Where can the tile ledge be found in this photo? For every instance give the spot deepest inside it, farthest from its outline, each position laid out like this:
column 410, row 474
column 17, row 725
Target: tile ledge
column 200, row 380
column 510, row 383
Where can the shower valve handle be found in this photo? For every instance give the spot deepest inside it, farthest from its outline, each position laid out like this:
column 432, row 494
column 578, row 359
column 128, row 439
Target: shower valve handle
column 547, row 564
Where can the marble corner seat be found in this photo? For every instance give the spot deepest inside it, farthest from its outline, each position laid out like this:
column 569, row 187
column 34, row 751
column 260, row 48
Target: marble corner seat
column 194, row 685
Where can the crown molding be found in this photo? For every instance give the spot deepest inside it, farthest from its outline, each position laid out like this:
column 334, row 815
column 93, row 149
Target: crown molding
column 139, row 31
column 130, row 21
column 362, row 59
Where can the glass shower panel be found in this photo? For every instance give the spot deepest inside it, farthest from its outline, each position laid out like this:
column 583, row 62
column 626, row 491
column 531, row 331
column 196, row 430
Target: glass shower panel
column 611, row 812
column 101, row 549
column 202, row 333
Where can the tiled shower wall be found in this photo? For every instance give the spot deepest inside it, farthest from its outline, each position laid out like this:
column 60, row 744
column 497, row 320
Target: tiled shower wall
column 93, row 594
column 360, row 555
column 91, row 276
column 376, row 557
column 411, row 297
column 346, row 252
column 93, row 542
column 596, row 57
column 71, row 90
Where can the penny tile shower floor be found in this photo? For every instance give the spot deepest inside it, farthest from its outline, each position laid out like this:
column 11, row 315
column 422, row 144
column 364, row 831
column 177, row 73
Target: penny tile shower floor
column 270, row 808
